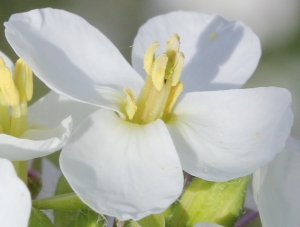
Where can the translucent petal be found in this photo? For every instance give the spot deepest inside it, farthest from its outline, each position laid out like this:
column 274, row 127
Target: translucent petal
column 222, row 135
column 276, row 188
column 49, row 110
column 121, row 169
column 71, row 57
column 35, row 142
column 219, row 54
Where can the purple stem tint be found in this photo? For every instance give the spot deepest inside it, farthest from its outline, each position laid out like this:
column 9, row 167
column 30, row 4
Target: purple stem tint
column 247, row 218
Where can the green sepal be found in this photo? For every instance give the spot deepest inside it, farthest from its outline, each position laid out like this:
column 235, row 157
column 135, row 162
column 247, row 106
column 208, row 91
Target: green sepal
column 87, row 218
column 131, row 223
column 168, row 213
column 39, row 219
column 154, row 220
column 68, row 201
column 206, row 201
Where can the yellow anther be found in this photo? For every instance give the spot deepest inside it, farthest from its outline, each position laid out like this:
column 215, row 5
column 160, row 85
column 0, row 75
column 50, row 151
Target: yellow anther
column 173, row 43
column 8, row 87
column 130, row 103
column 174, row 93
column 150, row 57
column 158, row 71
column 178, row 68
column 1, row 130
column 2, row 63
column 24, row 80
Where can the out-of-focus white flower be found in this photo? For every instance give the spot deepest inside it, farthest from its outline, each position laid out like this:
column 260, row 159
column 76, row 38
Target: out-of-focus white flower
column 130, row 170
column 21, row 139
column 14, row 197
column 276, row 188
column 274, row 21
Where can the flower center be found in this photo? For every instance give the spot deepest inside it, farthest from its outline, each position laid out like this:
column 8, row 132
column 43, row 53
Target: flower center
column 162, row 86
column 14, row 94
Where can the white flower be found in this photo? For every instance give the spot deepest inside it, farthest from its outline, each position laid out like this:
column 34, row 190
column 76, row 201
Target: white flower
column 129, row 170
column 276, row 188
column 39, row 136
column 14, row 197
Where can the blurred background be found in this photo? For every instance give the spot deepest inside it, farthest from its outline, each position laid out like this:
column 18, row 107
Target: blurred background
column 276, row 22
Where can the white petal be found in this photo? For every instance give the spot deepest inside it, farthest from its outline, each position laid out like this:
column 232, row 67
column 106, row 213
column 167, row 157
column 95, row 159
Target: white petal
column 35, row 142
column 71, row 57
column 7, row 61
column 277, row 192
column 222, row 135
column 14, row 197
column 219, row 54
column 121, row 169
column 52, row 108
column 207, row 224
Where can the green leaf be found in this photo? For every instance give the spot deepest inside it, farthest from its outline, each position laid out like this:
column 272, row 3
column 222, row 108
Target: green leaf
column 217, row 202
column 87, row 218
column 39, row 219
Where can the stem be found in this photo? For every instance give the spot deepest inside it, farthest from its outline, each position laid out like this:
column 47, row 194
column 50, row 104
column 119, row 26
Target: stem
column 69, row 201
column 21, row 168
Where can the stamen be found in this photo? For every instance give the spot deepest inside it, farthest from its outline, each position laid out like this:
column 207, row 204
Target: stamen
column 173, row 96
column 24, row 80
column 130, row 103
column 8, row 88
column 150, row 57
column 158, row 71
column 162, row 86
column 178, row 68
column 2, row 63
column 173, row 43
column 4, row 115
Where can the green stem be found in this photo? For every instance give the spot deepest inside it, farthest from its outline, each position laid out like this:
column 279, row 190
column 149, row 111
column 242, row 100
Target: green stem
column 69, row 201
column 21, row 168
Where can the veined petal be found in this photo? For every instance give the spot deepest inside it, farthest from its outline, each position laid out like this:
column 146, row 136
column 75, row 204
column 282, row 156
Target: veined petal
column 276, row 188
column 14, row 197
column 121, row 169
column 7, row 61
column 219, row 54
column 35, row 142
column 72, row 57
column 222, row 135
column 49, row 110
